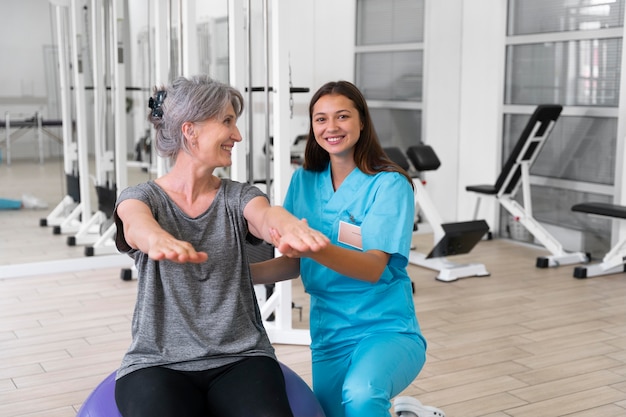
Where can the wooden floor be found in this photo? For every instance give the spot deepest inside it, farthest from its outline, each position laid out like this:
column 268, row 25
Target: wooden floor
column 521, row 342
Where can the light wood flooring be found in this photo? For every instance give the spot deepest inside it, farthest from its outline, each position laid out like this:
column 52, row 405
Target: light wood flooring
column 521, row 342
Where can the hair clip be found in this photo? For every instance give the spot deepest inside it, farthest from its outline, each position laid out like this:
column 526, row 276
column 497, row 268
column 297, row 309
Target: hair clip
column 156, row 103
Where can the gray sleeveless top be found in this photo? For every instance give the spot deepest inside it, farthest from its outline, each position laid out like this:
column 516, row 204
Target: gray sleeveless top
column 195, row 316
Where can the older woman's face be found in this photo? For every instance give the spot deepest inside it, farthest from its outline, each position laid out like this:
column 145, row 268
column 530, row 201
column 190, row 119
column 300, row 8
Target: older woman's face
column 215, row 138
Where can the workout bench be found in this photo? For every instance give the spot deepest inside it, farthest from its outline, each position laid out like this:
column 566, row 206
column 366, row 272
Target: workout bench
column 449, row 238
column 515, row 174
column 35, row 122
column 614, row 261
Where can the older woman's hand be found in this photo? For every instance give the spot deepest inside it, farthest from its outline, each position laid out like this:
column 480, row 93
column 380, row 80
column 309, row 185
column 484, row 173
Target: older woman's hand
column 164, row 246
column 298, row 240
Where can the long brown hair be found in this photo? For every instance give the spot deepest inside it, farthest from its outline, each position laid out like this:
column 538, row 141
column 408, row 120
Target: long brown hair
column 369, row 155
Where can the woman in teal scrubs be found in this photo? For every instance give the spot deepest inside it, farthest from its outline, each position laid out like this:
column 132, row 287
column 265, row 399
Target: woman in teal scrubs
column 366, row 342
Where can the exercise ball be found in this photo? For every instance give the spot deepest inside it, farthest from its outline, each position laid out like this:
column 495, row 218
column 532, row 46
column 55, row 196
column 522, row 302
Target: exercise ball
column 301, row 399
column 101, row 401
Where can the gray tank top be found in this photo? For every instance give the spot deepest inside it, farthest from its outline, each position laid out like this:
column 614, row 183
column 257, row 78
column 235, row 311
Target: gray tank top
column 195, row 316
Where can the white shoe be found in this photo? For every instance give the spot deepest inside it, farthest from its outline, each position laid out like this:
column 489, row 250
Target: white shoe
column 29, row 201
column 411, row 407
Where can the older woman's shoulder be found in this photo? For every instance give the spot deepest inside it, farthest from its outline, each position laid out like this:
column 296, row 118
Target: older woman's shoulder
column 237, row 188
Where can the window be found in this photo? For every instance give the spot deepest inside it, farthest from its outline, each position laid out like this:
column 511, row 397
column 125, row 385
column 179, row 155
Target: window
column 389, row 67
column 567, row 52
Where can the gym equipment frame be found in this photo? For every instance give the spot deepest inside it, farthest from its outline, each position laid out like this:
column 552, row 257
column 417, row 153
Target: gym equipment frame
column 614, row 261
column 515, row 174
column 449, row 238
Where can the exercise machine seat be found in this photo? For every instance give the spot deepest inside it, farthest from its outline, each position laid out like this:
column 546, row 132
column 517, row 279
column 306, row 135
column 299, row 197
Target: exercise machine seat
column 515, row 174
column 542, row 119
column 614, row 261
column 423, row 158
column 601, row 209
column 396, row 155
column 449, row 238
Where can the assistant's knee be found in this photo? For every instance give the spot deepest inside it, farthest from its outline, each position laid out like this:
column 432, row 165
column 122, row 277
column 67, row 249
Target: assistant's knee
column 365, row 399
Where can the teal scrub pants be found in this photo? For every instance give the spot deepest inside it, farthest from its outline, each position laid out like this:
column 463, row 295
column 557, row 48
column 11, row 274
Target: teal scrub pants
column 363, row 379
column 8, row 204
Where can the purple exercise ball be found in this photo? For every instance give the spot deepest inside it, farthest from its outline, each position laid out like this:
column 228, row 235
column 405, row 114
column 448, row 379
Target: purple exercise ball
column 101, row 401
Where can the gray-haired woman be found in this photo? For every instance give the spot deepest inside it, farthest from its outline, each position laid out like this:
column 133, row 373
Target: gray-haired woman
column 198, row 343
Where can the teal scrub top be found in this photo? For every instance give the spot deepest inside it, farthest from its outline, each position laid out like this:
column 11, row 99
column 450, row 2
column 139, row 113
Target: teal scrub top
column 344, row 309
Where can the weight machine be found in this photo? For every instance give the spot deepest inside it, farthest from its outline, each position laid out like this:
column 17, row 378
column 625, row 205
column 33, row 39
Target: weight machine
column 165, row 63
column 70, row 202
column 515, row 174
column 106, row 18
column 277, row 91
column 78, row 150
column 614, row 261
column 449, row 238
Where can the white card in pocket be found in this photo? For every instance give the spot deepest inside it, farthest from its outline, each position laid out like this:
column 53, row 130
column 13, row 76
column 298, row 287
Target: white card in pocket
column 350, row 234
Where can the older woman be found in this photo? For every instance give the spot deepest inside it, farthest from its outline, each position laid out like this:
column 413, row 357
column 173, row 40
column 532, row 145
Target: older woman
column 198, row 343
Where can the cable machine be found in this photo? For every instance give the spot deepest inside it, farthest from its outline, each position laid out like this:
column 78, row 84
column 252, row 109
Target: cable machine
column 276, row 91
column 163, row 15
column 109, row 160
column 101, row 35
column 70, row 146
column 77, row 219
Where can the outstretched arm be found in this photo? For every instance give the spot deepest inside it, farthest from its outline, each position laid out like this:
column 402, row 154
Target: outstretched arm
column 142, row 232
column 366, row 266
column 295, row 234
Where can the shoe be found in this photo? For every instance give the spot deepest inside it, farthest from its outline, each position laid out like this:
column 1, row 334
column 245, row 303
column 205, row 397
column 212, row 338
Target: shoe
column 29, row 201
column 411, row 407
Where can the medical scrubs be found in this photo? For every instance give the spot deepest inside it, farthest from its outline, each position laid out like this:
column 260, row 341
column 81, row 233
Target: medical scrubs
column 366, row 341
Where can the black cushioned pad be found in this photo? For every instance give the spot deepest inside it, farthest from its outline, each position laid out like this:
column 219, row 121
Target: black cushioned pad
column 544, row 114
column 397, row 156
column 482, row 189
column 423, row 157
column 601, row 209
column 106, row 199
column 459, row 238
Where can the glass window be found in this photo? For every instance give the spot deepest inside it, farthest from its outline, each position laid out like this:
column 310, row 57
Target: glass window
column 573, row 73
column 543, row 16
column 401, row 128
column 572, row 150
column 221, row 71
column 388, row 22
column 389, row 67
column 390, row 75
column 213, row 48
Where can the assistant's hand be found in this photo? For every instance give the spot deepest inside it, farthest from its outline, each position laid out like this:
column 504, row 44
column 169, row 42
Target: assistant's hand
column 164, row 246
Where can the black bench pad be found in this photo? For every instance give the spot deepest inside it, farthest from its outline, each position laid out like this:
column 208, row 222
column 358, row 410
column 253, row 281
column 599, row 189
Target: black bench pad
column 601, row 209
column 482, row 189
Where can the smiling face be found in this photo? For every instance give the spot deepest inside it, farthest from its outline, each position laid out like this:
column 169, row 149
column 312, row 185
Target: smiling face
column 336, row 125
column 211, row 141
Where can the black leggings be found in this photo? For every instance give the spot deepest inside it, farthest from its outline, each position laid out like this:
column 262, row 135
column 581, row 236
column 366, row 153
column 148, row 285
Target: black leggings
column 252, row 387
